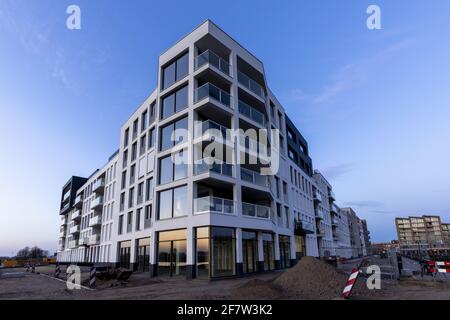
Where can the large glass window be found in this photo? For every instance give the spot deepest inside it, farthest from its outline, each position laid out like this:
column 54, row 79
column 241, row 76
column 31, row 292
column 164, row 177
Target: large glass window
column 175, row 71
column 124, row 254
column 215, row 251
column 269, row 251
column 249, row 251
column 167, row 140
column 172, row 203
column 173, row 167
column 285, row 252
column 174, row 102
column 143, row 254
column 172, row 253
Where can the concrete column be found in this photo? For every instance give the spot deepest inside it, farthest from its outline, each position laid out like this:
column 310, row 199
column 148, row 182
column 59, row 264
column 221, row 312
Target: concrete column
column 190, row 253
column 133, row 264
column 239, row 258
column 277, row 251
column 293, row 251
column 260, row 252
column 153, row 253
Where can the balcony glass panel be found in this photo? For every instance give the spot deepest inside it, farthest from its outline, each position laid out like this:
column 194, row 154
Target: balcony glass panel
column 251, row 113
column 210, row 90
column 251, row 84
column 214, row 60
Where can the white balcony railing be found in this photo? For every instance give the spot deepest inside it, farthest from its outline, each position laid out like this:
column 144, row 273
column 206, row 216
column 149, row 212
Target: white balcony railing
column 97, row 202
column 76, row 215
column 73, row 244
column 74, row 229
column 255, row 210
column 95, row 221
column 78, row 200
column 94, row 239
column 98, row 185
column 214, row 205
column 319, row 214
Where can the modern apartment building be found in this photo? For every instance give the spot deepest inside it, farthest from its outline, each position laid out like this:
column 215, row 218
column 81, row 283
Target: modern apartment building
column 187, row 193
column 356, row 233
column 341, row 232
column 423, row 236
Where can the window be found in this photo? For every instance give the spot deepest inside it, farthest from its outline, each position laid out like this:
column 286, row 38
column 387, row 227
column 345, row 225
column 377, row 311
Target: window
column 135, row 128
column 176, row 70
column 129, row 222
column 120, row 224
column 147, row 216
column 140, row 193
column 122, row 201
column 292, row 155
column 124, row 179
column 130, row 198
column 291, row 135
column 133, row 151
column 173, row 167
column 179, row 131
column 144, row 121
column 152, row 112
column 174, row 102
column 132, row 173
column 149, row 189
column 172, row 203
column 125, row 137
column 125, row 158
column 142, row 145
column 151, row 138
column 138, row 219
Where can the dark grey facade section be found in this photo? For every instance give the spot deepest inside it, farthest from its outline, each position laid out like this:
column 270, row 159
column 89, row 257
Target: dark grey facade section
column 298, row 150
column 70, row 188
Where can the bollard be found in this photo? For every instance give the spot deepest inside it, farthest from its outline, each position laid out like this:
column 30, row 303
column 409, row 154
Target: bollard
column 92, row 277
column 33, row 268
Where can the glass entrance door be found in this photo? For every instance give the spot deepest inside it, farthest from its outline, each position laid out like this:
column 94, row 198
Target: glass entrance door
column 249, row 251
column 171, row 254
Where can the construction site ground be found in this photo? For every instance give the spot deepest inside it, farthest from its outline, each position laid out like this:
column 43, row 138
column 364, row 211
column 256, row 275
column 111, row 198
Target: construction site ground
column 310, row 279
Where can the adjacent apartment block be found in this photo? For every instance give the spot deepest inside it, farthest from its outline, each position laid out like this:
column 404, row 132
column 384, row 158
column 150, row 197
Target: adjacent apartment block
column 184, row 197
column 423, row 236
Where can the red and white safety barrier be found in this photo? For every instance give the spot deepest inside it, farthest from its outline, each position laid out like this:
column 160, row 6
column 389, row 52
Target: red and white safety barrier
column 439, row 266
column 350, row 283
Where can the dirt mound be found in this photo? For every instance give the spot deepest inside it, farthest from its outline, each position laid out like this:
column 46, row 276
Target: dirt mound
column 311, row 279
column 256, row 289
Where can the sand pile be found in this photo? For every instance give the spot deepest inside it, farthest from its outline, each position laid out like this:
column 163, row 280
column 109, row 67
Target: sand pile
column 310, row 279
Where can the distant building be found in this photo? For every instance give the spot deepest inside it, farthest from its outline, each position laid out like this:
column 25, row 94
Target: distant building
column 423, row 236
column 383, row 247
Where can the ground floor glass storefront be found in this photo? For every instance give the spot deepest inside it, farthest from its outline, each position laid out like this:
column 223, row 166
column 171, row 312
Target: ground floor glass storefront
column 249, row 251
column 269, row 252
column 285, row 252
column 215, row 252
column 143, row 255
column 124, row 254
column 172, row 253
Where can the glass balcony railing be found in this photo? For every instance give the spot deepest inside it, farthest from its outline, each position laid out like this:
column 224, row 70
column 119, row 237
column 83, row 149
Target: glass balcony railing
column 97, row 202
column 95, row 221
column 98, row 185
column 76, row 215
column 251, row 84
column 73, row 244
column 319, row 214
column 251, row 113
column 254, row 146
column 210, row 165
column 210, row 90
column 93, row 240
column 210, row 127
column 213, row 59
column 214, row 205
column 254, row 177
column 74, row 229
column 317, row 197
column 254, row 210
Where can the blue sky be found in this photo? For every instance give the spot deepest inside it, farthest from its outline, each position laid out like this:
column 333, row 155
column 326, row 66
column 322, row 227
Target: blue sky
column 373, row 105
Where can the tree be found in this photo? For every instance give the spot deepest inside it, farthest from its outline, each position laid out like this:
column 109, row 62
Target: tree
column 31, row 253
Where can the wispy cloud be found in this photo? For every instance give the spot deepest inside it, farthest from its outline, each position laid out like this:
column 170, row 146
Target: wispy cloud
column 365, row 204
column 338, row 170
column 349, row 76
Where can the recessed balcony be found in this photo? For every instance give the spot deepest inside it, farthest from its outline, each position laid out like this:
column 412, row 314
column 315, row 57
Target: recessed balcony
column 76, row 215
column 95, row 221
column 331, row 195
column 212, row 59
column 97, row 203
column 255, row 210
column 214, row 205
column 210, row 130
column 62, row 234
column 320, row 233
column 208, row 90
column 82, row 242
column 254, row 177
column 251, row 85
column 334, row 209
column 213, row 165
column 74, row 229
column 78, row 201
column 73, row 244
column 98, row 185
column 317, row 197
column 94, row 240
column 63, row 220
column 302, row 228
column 251, row 113
column 334, row 222
column 319, row 214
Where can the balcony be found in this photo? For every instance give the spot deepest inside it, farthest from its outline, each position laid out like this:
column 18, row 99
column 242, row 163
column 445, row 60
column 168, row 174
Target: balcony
column 319, row 214
column 97, row 203
column 334, row 222
column 63, row 220
column 213, row 165
column 73, row 244
column 93, row 240
column 95, row 221
column 214, row 205
column 255, row 210
column 76, row 215
column 317, row 197
column 254, row 147
column 251, row 113
column 211, row 58
column 66, row 195
column 83, row 242
column 302, row 228
column 320, row 233
column 254, row 177
column 78, row 201
column 208, row 90
column 251, row 84
column 209, row 129
column 62, row 234
column 99, row 185
column 74, row 229
column 331, row 195
column 334, row 209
